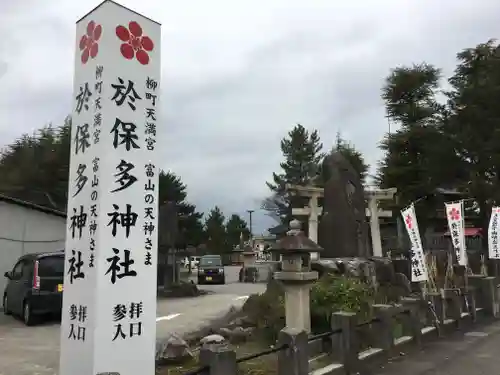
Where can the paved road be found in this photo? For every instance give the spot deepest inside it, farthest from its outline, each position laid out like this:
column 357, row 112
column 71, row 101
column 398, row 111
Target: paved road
column 35, row 350
column 476, row 352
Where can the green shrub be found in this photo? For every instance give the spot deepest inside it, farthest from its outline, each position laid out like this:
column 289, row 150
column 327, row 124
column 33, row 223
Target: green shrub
column 329, row 294
column 267, row 311
column 338, row 293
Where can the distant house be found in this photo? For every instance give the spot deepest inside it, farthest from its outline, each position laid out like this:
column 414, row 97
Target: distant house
column 279, row 230
column 27, row 228
column 263, row 241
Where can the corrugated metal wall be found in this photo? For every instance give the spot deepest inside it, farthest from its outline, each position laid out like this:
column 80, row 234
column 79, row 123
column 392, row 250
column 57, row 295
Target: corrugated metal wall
column 24, row 231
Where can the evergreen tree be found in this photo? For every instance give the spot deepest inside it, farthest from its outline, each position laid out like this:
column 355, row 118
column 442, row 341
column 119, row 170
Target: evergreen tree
column 454, row 144
column 473, row 125
column 190, row 227
column 414, row 153
column 302, row 156
column 352, row 155
column 36, row 168
column 215, row 231
column 236, row 230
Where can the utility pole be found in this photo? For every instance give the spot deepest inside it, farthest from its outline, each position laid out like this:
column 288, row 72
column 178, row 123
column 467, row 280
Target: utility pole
column 250, row 212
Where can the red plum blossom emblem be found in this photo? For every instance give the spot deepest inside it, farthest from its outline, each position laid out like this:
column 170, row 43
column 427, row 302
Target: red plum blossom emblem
column 409, row 221
column 454, row 214
column 89, row 41
column 135, row 43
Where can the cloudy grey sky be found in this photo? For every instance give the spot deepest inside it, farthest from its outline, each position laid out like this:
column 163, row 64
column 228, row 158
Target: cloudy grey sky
column 237, row 75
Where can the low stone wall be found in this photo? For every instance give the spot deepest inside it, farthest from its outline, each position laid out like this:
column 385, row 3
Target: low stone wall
column 265, row 270
column 354, row 345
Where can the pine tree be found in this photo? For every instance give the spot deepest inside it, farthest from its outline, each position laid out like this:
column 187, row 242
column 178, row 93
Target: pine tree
column 35, row 168
column 190, row 228
column 352, row 155
column 216, row 232
column 474, row 125
column 418, row 157
column 236, row 230
column 302, row 153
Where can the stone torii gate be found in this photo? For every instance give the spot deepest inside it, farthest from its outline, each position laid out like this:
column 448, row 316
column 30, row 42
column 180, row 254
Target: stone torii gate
column 374, row 213
column 313, row 212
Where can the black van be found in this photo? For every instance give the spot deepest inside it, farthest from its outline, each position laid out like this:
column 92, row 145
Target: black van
column 35, row 286
column 211, row 270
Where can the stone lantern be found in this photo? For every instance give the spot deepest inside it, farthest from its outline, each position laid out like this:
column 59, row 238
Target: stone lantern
column 249, row 256
column 236, row 256
column 248, row 271
column 296, row 275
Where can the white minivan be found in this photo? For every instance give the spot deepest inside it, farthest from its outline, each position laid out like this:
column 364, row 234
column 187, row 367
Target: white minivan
column 194, row 261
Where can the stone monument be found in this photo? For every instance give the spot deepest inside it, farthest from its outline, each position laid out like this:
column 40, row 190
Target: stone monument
column 313, row 211
column 343, row 228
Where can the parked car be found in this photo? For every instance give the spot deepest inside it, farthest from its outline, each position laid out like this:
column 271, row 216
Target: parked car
column 211, row 270
column 194, row 262
column 35, row 286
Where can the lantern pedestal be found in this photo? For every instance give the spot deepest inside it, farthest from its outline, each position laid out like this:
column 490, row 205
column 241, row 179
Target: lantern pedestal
column 297, row 287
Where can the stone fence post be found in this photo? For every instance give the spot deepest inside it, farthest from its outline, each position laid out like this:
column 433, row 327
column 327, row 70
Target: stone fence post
column 439, row 305
column 486, row 293
column 385, row 334
column 294, row 360
column 219, row 359
column 345, row 345
column 453, row 305
column 470, row 300
column 489, row 290
column 412, row 323
column 475, row 281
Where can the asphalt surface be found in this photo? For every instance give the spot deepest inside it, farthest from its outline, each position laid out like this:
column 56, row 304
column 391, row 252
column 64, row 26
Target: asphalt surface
column 475, row 352
column 35, row 350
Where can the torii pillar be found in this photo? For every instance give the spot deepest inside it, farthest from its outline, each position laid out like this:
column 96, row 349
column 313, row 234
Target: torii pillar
column 313, row 212
column 373, row 197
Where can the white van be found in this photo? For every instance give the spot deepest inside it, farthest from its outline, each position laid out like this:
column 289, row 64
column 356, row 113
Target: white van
column 194, row 261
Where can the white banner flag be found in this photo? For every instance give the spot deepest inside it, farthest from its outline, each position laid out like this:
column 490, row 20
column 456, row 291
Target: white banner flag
column 455, row 216
column 418, row 264
column 493, row 228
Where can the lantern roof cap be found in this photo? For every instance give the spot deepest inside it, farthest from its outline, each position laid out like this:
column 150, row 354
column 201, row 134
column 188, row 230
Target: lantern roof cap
column 296, row 242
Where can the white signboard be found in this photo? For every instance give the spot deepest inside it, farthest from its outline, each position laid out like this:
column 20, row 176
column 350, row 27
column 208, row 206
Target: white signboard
column 418, row 263
column 493, row 234
column 109, row 304
column 456, row 225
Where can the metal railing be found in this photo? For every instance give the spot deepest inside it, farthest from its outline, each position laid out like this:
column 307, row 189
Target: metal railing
column 320, row 336
column 249, row 357
column 389, row 328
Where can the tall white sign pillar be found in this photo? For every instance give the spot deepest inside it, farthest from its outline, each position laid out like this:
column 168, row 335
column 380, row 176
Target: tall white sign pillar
column 109, row 304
